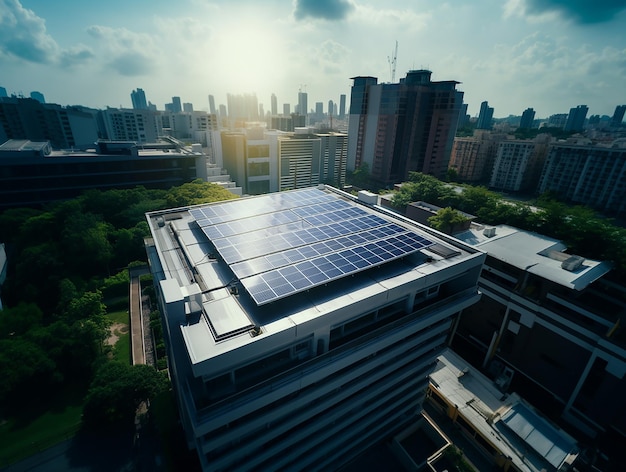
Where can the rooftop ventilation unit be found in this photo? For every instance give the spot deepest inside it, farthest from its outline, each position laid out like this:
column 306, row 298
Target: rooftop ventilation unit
column 489, row 232
column 572, row 263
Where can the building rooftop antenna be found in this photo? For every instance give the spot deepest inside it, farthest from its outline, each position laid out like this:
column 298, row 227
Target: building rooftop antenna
column 392, row 60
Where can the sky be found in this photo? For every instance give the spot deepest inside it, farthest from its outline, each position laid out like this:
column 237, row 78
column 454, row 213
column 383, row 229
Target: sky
column 550, row 55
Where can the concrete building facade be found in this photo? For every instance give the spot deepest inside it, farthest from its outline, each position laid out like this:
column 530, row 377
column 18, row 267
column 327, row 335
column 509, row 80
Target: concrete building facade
column 402, row 127
column 552, row 322
column 322, row 359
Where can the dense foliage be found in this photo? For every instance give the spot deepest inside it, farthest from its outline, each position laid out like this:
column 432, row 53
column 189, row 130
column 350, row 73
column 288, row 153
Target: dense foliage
column 579, row 227
column 61, row 259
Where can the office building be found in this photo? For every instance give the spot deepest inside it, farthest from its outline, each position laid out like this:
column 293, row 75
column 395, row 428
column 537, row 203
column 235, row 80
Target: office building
column 402, row 127
column 342, row 106
column 3, row 92
column 65, row 127
column 188, row 107
column 618, row 115
column 286, row 109
column 212, row 109
column 588, row 175
column 176, row 105
column 464, row 118
column 274, row 105
column 138, row 99
column 37, row 96
column 552, row 324
column 485, row 116
column 528, row 118
column 262, row 161
column 576, row 118
column 302, row 107
column 504, row 427
column 301, row 326
column 32, row 173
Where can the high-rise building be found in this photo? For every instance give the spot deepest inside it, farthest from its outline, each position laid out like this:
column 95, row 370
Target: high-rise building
column 138, row 98
column 286, row 109
column 485, row 117
column 402, row 127
column 303, row 103
column 331, row 108
column 576, row 118
column 3, row 92
column 274, row 104
column 589, row 175
column 176, row 105
column 212, row 105
column 472, row 158
column 342, row 106
column 518, row 164
column 463, row 116
column 188, row 107
column 618, row 116
column 123, row 124
column 65, row 127
column 242, row 108
column 528, row 117
column 301, row 326
column 37, row 96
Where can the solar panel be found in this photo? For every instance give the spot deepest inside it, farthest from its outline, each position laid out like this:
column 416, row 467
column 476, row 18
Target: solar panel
column 280, row 244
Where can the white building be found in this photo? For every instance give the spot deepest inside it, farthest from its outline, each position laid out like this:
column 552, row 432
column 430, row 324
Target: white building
column 124, row 124
column 301, row 326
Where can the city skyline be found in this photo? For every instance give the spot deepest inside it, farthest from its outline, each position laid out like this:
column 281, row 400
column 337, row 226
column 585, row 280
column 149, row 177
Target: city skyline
column 516, row 54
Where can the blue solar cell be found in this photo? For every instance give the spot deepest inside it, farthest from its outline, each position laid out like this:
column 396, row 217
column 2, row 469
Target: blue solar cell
column 318, row 278
column 300, row 284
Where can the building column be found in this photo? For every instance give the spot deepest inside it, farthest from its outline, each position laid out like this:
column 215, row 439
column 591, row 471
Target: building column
column 495, row 340
column 580, row 383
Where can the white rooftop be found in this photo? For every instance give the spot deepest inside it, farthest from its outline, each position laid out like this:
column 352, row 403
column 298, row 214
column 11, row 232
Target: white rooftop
column 534, row 253
column 518, row 430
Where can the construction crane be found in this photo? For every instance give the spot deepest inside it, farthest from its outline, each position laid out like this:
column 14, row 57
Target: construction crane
column 392, row 63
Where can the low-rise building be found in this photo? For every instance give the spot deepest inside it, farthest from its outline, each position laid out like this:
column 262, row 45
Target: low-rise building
column 553, row 320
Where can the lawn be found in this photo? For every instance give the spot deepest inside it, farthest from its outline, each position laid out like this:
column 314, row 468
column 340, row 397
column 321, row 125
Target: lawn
column 121, row 329
column 20, row 439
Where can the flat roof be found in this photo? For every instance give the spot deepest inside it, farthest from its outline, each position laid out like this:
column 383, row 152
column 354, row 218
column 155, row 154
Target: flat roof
column 534, row 253
column 507, row 421
column 297, row 249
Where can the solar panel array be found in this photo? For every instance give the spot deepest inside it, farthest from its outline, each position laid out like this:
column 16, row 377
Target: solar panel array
column 283, row 243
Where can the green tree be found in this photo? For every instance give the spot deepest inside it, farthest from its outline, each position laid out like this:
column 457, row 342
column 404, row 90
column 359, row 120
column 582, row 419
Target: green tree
column 19, row 319
column 360, row 177
column 195, row 193
column 116, row 392
column 447, row 220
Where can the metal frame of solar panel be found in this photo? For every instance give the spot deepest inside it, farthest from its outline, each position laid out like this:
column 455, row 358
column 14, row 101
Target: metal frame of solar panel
column 283, row 243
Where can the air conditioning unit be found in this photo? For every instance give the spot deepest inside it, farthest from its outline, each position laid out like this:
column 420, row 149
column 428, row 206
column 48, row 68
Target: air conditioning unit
column 572, row 263
column 489, row 232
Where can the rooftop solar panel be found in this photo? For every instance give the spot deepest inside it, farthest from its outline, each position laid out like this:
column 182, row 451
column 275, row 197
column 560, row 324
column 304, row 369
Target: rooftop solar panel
column 284, row 243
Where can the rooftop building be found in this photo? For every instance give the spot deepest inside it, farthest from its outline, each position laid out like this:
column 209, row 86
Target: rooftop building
column 504, row 426
column 301, row 326
column 553, row 319
column 32, row 173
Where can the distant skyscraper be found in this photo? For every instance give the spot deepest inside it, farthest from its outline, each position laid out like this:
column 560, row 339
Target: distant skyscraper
column 402, row 127
column 286, row 109
column 3, row 92
column 485, row 116
column 274, row 105
column 463, row 116
column 37, row 96
column 557, row 121
column 528, row 117
column 618, row 116
column 319, row 110
column 331, row 107
column 138, row 97
column 188, row 107
column 303, row 103
column 176, row 105
column 261, row 111
column 342, row 106
column 243, row 107
column 212, row 104
column 576, row 118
